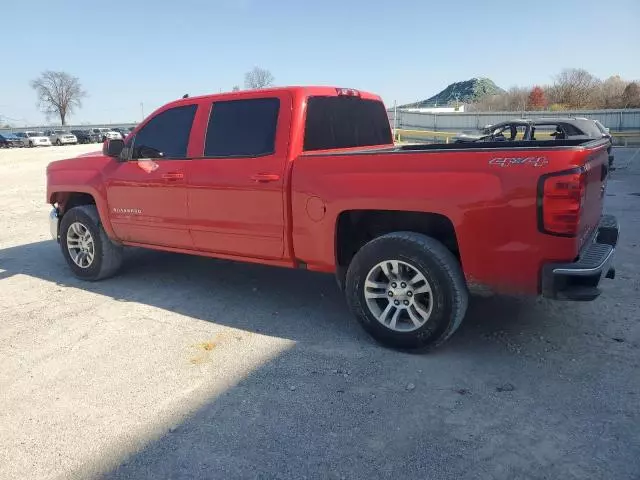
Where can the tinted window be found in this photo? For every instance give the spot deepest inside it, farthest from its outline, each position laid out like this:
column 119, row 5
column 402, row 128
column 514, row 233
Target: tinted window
column 242, row 128
column 571, row 130
column 511, row 132
column 343, row 122
column 167, row 132
column 546, row 131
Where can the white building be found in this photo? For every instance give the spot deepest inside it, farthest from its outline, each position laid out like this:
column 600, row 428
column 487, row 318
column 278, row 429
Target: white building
column 458, row 109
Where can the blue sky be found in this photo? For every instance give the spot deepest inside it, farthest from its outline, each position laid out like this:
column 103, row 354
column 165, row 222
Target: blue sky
column 152, row 52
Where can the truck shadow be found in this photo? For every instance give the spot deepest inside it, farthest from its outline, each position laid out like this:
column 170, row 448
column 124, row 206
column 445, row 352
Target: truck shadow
column 325, row 410
column 298, row 305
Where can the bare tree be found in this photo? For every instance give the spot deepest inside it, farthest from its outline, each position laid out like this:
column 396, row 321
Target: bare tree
column 631, row 96
column 58, row 94
column 258, row 78
column 575, row 88
column 514, row 100
column 235, row 88
column 611, row 91
column 517, row 99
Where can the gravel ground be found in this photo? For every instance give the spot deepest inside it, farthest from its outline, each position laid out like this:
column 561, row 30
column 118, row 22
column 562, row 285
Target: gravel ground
column 183, row 367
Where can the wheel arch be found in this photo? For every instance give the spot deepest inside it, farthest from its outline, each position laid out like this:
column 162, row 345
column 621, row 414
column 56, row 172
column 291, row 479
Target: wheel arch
column 66, row 199
column 355, row 228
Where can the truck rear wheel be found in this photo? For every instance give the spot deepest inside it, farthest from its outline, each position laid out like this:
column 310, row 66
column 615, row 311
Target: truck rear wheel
column 89, row 252
column 407, row 290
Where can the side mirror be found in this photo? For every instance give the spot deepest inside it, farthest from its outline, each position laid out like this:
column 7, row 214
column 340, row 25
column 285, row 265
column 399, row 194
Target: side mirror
column 112, row 148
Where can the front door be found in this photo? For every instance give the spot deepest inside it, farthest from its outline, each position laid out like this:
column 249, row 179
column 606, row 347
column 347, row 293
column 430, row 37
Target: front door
column 236, row 188
column 147, row 195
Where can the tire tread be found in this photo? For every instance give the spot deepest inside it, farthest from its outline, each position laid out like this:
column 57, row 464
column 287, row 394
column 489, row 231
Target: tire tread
column 445, row 260
column 111, row 253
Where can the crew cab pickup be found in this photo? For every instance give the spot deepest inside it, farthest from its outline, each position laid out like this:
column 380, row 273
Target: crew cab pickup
column 309, row 178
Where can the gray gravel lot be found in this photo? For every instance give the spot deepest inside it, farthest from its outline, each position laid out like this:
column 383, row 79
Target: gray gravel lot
column 184, row 367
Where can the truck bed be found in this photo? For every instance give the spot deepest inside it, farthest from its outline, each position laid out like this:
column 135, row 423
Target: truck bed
column 481, row 146
column 489, row 193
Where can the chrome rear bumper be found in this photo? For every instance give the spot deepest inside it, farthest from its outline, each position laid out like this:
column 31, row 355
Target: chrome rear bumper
column 579, row 280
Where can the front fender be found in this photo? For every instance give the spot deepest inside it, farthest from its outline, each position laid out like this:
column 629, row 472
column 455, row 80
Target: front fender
column 62, row 183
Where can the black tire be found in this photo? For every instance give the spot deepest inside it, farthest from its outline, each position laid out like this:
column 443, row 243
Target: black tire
column 30, row 144
column 440, row 268
column 107, row 255
column 58, row 143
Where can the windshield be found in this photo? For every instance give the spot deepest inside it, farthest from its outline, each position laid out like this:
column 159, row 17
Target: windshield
column 601, row 127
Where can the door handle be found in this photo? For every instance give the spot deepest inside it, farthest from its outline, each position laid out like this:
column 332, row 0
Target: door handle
column 173, row 176
column 265, row 177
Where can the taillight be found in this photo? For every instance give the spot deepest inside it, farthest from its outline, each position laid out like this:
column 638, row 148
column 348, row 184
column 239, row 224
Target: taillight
column 347, row 92
column 561, row 197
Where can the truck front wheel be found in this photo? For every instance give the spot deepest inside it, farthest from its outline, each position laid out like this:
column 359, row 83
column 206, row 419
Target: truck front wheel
column 89, row 252
column 407, row 290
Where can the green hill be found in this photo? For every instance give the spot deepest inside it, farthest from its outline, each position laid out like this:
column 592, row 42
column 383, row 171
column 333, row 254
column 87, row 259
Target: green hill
column 469, row 91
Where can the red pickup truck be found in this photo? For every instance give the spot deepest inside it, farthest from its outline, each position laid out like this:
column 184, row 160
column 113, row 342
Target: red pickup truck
column 309, row 178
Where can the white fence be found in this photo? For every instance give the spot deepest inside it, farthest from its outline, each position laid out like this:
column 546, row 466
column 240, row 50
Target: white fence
column 627, row 120
column 616, row 120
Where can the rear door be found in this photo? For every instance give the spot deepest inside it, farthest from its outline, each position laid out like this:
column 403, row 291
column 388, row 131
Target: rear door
column 147, row 195
column 236, row 186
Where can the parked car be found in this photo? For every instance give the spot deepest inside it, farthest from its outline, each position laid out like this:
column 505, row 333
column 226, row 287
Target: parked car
column 527, row 129
column 34, row 139
column 86, row 136
column 123, row 131
column 107, row 133
column 61, row 137
column 309, row 178
column 606, row 133
column 9, row 140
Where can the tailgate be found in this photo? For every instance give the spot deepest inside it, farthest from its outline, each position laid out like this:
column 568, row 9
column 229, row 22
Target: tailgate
column 596, row 166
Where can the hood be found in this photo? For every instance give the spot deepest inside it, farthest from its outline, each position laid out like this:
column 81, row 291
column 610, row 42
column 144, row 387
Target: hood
column 470, row 136
column 97, row 153
column 86, row 161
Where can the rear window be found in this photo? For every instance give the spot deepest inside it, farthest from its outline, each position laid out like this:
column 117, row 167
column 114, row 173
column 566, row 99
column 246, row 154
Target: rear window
column 345, row 122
